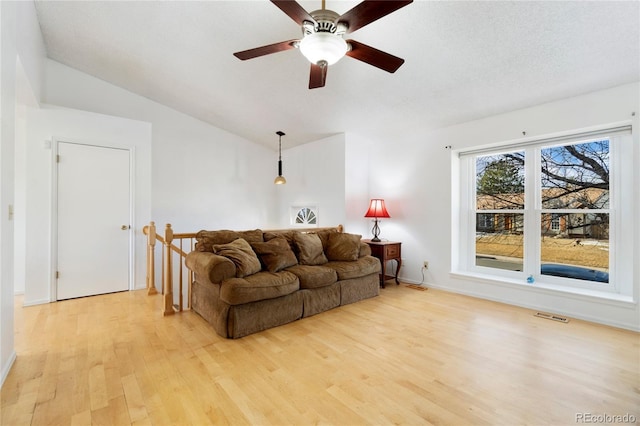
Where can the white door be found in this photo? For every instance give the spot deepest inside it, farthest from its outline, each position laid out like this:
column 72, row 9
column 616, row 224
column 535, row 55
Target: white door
column 93, row 230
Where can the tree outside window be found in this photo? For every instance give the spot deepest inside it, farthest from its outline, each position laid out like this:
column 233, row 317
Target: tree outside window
column 571, row 209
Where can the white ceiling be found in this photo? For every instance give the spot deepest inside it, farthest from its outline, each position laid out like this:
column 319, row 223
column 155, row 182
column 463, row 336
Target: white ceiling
column 464, row 61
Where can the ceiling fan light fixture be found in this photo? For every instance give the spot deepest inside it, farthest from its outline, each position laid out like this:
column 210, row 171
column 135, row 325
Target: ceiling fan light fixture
column 323, row 47
column 323, row 32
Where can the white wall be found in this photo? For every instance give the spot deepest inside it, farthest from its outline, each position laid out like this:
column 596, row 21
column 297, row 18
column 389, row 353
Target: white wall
column 30, row 48
column 356, row 184
column 50, row 123
column 315, row 174
column 21, row 58
column 203, row 177
column 19, row 224
column 414, row 177
column 7, row 129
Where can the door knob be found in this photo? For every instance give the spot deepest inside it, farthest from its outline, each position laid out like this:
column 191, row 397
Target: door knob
column 125, row 227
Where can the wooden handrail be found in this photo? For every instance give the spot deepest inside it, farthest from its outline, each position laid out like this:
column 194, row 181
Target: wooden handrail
column 340, row 228
column 183, row 236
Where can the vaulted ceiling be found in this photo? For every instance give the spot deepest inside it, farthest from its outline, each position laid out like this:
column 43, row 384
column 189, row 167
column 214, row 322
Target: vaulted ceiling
column 464, row 61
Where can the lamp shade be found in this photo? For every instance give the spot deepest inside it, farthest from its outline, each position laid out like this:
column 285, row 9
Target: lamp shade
column 377, row 209
column 279, row 180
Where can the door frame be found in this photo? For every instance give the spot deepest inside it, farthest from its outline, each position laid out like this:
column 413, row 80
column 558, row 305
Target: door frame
column 53, row 226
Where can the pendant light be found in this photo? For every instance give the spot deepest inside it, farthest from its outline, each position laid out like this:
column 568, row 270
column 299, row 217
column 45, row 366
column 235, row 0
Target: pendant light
column 280, row 180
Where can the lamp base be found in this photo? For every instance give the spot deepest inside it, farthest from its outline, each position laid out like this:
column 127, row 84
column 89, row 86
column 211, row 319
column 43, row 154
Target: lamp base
column 376, row 231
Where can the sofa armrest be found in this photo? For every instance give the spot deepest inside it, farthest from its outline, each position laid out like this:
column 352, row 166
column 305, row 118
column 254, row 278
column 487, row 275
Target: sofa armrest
column 210, row 268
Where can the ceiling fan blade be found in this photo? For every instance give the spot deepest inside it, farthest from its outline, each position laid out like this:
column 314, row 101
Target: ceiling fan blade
column 369, row 11
column 294, row 11
column 266, row 50
column 318, row 76
column 373, row 56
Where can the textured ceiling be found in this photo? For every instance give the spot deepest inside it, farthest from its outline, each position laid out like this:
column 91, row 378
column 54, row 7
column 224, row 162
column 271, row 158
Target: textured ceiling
column 464, row 61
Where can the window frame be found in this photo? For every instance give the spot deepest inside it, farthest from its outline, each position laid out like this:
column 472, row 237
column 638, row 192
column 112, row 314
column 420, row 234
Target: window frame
column 620, row 211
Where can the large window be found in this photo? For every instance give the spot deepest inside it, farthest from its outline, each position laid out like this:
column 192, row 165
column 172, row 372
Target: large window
column 551, row 211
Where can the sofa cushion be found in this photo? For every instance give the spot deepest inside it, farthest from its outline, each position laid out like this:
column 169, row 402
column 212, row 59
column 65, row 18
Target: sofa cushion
column 309, row 249
column 314, row 276
column 275, row 254
column 260, row 286
column 252, row 236
column 205, row 240
column 240, row 252
column 286, row 234
column 324, row 236
column 347, row 270
column 343, row 246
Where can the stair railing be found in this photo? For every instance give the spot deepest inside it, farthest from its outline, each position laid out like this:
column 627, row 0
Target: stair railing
column 169, row 248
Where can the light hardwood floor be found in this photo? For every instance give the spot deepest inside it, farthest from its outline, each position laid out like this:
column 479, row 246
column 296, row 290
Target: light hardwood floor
column 407, row 357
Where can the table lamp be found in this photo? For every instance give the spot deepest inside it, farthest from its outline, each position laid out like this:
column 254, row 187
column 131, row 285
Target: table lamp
column 376, row 210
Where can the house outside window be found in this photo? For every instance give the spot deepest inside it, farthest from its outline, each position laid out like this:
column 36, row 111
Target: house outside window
column 485, row 223
column 553, row 209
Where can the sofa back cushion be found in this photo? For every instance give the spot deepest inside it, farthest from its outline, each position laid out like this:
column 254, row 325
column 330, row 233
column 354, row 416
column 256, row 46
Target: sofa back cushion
column 343, row 246
column 239, row 252
column 205, row 240
column 309, row 249
column 324, row 236
column 286, row 234
column 275, row 254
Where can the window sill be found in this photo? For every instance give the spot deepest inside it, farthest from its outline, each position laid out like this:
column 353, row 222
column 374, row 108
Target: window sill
column 552, row 289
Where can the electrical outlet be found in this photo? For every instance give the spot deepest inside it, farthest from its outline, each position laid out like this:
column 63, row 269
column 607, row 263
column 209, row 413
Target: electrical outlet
column 425, row 264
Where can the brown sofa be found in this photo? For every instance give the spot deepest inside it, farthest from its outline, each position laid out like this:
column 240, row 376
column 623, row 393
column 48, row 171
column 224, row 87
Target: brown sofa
column 249, row 281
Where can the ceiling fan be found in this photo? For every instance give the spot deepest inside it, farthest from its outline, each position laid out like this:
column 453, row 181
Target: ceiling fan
column 322, row 40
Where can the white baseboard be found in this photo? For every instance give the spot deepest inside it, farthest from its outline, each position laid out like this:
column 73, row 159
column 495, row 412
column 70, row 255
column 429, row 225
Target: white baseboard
column 533, row 306
column 7, row 367
column 35, row 302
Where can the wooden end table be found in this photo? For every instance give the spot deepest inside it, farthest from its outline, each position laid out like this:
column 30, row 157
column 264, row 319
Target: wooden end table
column 385, row 251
